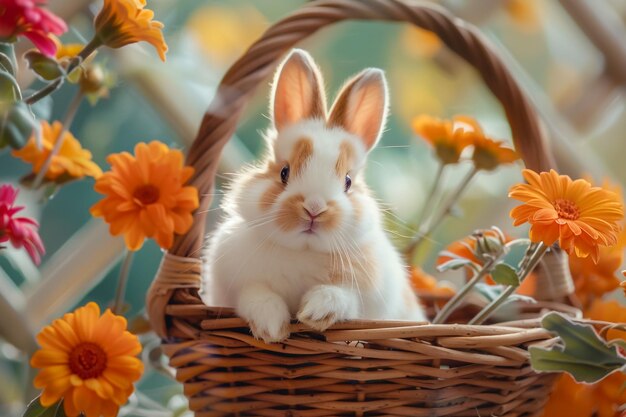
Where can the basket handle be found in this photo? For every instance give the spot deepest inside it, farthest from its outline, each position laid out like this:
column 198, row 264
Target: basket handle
column 258, row 63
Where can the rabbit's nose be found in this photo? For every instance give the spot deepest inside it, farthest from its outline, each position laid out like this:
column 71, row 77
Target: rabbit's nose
column 314, row 207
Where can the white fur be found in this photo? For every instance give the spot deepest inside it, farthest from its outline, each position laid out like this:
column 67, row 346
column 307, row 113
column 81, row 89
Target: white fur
column 270, row 275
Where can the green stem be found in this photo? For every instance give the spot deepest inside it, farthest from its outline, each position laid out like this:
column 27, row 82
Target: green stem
column 431, row 194
column 422, row 235
column 120, row 291
column 451, row 305
column 486, row 312
column 53, row 86
column 65, row 127
column 408, row 252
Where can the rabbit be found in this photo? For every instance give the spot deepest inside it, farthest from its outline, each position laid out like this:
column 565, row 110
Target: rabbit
column 302, row 235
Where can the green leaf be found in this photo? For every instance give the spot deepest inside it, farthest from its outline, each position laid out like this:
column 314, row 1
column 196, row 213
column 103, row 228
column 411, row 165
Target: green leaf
column 583, row 353
column 16, row 124
column 47, row 68
column 9, row 88
column 491, row 292
column 6, row 64
column 35, row 409
column 453, row 264
column 505, row 275
column 7, row 57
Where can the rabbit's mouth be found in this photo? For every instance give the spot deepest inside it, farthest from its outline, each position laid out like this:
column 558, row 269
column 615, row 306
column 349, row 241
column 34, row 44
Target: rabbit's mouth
column 310, row 230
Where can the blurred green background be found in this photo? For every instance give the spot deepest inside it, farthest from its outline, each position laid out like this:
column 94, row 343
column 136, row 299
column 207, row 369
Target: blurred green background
column 564, row 73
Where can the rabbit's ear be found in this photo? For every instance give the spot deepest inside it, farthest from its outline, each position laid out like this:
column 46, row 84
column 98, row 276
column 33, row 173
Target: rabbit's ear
column 361, row 106
column 297, row 91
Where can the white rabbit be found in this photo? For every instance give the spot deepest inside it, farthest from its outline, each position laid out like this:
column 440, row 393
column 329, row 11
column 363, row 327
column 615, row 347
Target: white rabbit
column 302, row 235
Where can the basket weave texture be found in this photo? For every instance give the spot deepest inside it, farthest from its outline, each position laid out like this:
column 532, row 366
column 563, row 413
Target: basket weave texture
column 355, row 368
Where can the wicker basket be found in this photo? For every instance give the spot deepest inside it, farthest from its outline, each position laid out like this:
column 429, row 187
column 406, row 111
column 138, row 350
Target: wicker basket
column 360, row 367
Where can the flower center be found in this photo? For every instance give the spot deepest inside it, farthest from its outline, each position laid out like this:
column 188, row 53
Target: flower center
column 566, row 209
column 88, row 360
column 146, row 194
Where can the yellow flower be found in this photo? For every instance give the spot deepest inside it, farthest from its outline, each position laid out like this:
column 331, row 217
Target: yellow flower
column 67, row 50
column 581, row 217
column 525, row 13
column 224, row 32
column 145, row 195
column 447, row 137
column 71, row 162
column 421, row 42
column 122, row 22
column 488, row 153
column 89, row 361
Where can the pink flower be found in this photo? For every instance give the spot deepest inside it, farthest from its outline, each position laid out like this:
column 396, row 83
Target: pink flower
column 24, row 17
column 20, row 231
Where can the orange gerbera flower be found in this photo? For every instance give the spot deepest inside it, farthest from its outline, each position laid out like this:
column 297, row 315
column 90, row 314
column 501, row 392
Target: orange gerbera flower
column 581, row 217
column 88, row 360
column 447, row 137
column 611, row 311
column 122, row 22
column 71, row 162
column 593, row 280
column 488, row 153
column 146, row 196
column 623, row 283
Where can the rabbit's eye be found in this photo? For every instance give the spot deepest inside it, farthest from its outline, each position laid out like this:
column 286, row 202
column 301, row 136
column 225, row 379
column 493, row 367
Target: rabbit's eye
column 284, row 174
column 348, row 182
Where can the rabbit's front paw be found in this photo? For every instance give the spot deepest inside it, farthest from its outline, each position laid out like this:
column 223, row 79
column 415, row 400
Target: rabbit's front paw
column 271, row 331
column 266, row 313
column 323, row 306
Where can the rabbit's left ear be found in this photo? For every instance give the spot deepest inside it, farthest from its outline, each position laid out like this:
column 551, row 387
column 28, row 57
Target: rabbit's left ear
column 361, row 106
column 297, row 91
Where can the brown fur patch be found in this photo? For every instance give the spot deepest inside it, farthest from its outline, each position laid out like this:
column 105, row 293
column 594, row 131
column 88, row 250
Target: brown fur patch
column 271, row 171
column 358, row 264
column 270, row 195
column 291, row 213
column 345, row 159
column 300, row 155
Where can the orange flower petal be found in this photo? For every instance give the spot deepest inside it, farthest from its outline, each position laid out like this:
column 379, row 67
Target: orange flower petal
column 80, row 368
column 581, row 217
column 72, row 160
column 145, row 195
column 122, row 22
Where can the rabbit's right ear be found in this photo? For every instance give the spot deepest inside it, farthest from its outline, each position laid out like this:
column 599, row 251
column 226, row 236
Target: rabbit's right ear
column 297, row 91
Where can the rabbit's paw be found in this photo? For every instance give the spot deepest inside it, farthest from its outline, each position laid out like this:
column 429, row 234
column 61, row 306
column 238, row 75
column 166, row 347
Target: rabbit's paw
column 268, row 318
column 323, row 306
column 271, row 331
